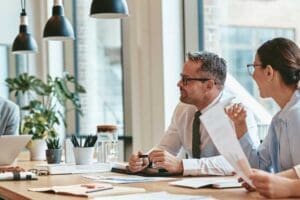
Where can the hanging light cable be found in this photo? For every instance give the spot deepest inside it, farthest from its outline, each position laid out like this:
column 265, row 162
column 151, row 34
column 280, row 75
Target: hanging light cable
column 24, row 43
column 58, row 26
column 109, row 9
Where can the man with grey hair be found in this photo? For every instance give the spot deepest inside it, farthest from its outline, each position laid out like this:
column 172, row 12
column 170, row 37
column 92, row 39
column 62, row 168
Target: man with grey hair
column 201, row 87
column 9, row 117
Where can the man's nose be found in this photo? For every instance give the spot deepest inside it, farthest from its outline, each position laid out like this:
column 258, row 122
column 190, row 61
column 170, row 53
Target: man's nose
column 179, row 83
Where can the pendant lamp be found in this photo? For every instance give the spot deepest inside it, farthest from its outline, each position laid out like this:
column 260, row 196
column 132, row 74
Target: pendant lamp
column 58, row 26
column 24, row 43
column 108, row 9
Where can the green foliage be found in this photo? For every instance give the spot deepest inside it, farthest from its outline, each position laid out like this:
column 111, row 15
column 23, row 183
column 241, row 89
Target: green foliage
column 53, row 143
column 46, row 100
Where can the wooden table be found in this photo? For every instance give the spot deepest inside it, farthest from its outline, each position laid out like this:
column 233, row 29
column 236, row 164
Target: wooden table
column 18, row 189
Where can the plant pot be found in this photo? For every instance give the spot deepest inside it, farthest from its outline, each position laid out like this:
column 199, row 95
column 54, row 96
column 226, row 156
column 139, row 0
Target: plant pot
column 37, row 149
column 53, row 156
column 83, row 155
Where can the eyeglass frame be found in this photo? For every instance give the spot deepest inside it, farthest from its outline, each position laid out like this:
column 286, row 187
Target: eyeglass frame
column 39, row 172
column 249, row 67
column 185, row 79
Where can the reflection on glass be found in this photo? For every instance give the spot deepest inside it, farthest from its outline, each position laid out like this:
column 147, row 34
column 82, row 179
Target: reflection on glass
column 99, row 69
column 236, row 28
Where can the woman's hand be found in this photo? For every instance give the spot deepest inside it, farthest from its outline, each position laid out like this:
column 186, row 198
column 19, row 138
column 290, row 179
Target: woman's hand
column 272, row 185
column 237, row 114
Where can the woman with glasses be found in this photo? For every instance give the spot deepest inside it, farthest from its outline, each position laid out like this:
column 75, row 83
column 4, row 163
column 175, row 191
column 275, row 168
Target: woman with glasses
column 276, row 70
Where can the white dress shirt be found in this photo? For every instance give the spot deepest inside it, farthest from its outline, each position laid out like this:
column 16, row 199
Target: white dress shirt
column 179, row 135
column 297, row 170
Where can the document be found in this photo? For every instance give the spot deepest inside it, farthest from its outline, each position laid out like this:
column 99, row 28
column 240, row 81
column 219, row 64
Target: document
column 214, row 182
column 90, row 190
column 156, row 196
column 125, row 179
column 222, row 133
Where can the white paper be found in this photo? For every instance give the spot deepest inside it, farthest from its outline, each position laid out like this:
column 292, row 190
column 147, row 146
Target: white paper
column 216, row 182
column 222, row 133
column 125, row 179
column 155, row 196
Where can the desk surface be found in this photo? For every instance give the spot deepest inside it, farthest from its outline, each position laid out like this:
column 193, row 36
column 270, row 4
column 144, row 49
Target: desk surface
column 18, row 189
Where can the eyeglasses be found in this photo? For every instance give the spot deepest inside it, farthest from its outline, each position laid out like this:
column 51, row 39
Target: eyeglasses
column 39, row 172
column 186, row 79
column 251, row 68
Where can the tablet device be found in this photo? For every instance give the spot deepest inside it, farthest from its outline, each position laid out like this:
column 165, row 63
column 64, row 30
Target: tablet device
column 11, row 146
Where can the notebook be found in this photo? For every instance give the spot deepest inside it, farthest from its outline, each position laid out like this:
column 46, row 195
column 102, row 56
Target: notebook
column 214, row 182
column 101, row 189
column 11, row 146
column 149, row 171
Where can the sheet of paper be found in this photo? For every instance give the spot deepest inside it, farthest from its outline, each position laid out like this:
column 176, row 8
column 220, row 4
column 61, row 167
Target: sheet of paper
column 156, row 196
column 222, row 133
column 216, row 182
column 125, row 179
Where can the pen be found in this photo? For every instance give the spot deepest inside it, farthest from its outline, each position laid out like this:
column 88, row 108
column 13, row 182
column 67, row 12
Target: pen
column 143, row 156
column 99, row 189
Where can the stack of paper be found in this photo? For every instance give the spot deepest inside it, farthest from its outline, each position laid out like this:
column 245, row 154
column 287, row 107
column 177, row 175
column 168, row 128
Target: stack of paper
column 125, row 179
column 157, row 196
column 75, row 169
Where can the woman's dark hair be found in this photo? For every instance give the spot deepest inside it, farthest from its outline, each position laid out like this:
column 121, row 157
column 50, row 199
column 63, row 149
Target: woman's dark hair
column 284, row 56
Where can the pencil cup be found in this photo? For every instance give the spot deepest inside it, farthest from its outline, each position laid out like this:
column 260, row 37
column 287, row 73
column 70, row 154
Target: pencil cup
column 83, row 155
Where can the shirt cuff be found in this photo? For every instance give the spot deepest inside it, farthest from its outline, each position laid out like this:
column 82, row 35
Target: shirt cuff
column 245, row 140
column 190, row 167
column 297, row 170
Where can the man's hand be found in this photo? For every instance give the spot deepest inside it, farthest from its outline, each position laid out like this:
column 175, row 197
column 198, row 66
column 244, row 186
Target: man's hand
column 137, row 164
column 237, row 114
column 163, row 159
column 11, row 169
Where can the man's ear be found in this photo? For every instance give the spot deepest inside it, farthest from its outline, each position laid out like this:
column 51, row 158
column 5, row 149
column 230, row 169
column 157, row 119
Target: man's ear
column 210, row 84
column 269, row 72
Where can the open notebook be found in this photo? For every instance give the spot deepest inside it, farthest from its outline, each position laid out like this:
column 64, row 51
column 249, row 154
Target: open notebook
column 89, row 190
column 214, row 182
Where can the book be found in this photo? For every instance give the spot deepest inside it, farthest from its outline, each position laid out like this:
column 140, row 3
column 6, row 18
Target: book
column 213, row 182
column 89, row 190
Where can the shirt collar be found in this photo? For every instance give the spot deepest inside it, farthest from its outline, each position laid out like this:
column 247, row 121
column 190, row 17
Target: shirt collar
column 212, row 103
column 286, row 109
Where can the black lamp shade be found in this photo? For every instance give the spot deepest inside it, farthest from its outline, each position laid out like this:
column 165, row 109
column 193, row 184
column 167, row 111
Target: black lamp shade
column 24, row 43
column 58, row 26
column 109, row 9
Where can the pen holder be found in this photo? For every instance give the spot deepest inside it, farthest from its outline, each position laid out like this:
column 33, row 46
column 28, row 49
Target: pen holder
column 83, row 155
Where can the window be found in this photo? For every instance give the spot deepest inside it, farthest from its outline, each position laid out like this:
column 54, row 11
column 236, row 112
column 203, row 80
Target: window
column 4, row 70
column 236, row 28
column 98, row 61
column 238, row 46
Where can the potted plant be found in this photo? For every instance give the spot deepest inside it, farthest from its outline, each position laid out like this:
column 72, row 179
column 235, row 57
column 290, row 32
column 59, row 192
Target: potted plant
column 47, row 104
column 84, row 152
column 54, row 151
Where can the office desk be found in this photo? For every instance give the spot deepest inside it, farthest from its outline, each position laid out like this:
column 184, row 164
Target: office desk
column 18, row 189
